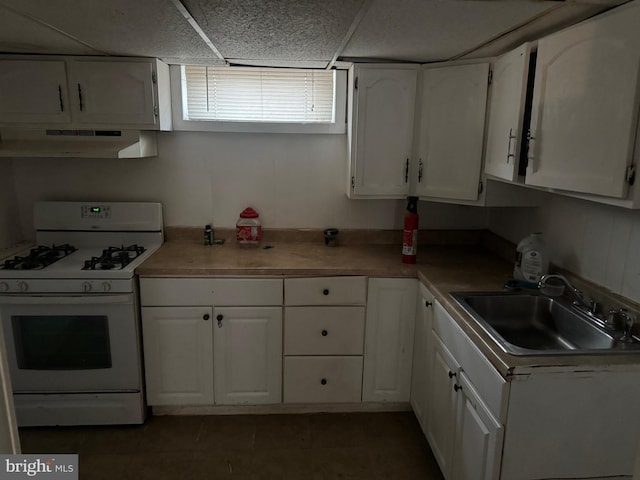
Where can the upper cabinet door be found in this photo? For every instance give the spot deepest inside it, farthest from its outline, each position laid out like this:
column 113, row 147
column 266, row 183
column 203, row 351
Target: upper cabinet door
column 585, row 105
column 33, row 91
column 382, row 131
column 506, row 113
column 452, row 123
column 118, row 93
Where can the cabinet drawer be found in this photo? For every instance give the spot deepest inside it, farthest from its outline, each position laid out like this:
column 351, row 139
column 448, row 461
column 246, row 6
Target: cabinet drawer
column 326, row 291
column 322, row 379
column 323, row 330
column 489, row 383
column 210, row 291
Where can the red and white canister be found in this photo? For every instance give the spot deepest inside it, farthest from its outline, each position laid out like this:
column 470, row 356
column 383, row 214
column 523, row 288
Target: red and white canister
column 248, row 227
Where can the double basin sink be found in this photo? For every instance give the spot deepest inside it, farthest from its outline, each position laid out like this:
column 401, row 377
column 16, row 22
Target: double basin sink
column 534, row 324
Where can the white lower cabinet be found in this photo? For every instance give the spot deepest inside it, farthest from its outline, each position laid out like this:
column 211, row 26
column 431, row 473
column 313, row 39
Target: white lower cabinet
column 178, row 355
column 247, row 346
column 196, row 353
column 420, row 374
column 478, row 436
column 323, row 339
column 391, row 311
column 466, row 404
column 322, row 379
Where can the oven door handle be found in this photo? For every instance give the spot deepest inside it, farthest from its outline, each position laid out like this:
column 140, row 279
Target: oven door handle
column 65, row 299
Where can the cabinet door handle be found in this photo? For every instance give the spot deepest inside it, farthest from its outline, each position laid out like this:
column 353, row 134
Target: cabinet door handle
column 511, row 137
column 206, row 316
column 451, row 374
column 419, row 170
column 60, row 98
column 220, row 317
column 428, row 303
column 406, row 171
column 323, row 381
column 324, row 333
column 457, row 387
column 80, row 97
column 325, row 291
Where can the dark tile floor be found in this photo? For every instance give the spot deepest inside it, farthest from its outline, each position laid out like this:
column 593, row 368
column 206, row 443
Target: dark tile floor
column 350, row 446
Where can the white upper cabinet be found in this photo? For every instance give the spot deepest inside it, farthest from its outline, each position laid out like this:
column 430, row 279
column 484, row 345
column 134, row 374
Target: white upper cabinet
column 382, row 113
column 84, row 92
column 506, row 113
column 585, row 105
column 34, row 91
column 113, row 92
column 451, row 139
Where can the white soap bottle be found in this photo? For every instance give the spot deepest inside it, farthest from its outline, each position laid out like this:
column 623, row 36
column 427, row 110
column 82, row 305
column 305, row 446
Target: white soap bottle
column 532, row 260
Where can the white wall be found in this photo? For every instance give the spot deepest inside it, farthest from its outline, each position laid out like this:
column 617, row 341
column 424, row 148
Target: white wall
column 10, row 232
column 598, row 242
column 294, row 181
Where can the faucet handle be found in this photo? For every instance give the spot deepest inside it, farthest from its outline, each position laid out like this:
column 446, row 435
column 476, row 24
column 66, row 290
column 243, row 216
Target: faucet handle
column 629, row 322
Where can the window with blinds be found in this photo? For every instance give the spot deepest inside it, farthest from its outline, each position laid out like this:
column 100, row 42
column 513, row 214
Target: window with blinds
column 247, row 94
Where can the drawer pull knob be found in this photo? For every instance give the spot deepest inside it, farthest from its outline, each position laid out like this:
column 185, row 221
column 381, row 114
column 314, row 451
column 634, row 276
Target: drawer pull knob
column 457, row 387
column 451, row 374
column 324, row 333
column 427, row 303
column 206, row 316
column 323, row 381
column 219, row 318
column 325, row 291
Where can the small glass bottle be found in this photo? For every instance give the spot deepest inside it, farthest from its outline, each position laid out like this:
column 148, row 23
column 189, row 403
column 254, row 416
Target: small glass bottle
column 208, row 235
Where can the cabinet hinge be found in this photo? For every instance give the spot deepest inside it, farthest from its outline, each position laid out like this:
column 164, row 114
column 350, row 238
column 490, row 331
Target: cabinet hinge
column 154, row 77
column 353, row 182
column 490, row 76
column 155, row 111
column 355, row 83
column 480, row 187
column 630, row 174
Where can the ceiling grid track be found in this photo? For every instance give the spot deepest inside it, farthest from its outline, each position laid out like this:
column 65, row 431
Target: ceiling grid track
column 352, row 28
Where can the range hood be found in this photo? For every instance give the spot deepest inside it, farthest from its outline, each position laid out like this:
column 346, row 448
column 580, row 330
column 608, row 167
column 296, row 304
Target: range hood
column 43, row 142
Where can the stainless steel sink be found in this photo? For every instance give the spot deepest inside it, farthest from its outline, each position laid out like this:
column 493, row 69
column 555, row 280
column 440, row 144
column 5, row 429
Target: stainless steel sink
column 533, row 324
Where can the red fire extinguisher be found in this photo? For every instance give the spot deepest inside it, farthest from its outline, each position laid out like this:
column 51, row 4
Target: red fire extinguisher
column 410, row 234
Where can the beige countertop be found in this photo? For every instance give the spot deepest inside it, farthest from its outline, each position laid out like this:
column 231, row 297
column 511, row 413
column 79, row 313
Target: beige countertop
column 442, row 269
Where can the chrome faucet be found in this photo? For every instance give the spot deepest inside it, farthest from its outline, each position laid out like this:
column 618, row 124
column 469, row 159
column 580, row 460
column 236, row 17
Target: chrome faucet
column 577, row 296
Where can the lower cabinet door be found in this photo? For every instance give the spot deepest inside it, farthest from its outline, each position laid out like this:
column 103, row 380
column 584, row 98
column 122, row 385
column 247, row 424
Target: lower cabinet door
column 441, row 405
column 478, row 439
column 329, row 379
column 391, row 313
column 247, row 355
column 178, row 355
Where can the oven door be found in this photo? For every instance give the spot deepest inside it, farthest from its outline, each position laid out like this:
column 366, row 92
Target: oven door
column 72, row 344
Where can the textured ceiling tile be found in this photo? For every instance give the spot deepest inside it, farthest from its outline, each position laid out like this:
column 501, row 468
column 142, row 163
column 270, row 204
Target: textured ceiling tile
column 275, row 29
column 433, row 30
column 19, row 34
column 153, row 28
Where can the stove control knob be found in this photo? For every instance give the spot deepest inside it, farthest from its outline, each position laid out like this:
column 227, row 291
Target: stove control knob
column 106, row 286
column 86, row 287
column 23, row 286
column 4, row 287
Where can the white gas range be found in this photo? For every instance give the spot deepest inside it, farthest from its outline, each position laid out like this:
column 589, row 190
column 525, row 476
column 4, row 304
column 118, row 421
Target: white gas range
column 70, row 316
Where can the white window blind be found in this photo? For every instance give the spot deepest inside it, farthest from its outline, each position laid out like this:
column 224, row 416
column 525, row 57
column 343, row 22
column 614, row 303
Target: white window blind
column 246, row 94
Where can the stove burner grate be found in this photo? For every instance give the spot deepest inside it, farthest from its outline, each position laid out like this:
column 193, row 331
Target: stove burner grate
column 38, row 257
column 114, row 258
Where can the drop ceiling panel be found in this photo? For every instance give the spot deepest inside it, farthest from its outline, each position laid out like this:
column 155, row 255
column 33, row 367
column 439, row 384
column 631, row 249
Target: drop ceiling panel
column 19, row 34
column 149, row 28
column 435, row 30
column 275, row 29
